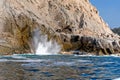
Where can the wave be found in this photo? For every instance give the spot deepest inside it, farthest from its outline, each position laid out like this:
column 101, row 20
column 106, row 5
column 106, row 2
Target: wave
column 25, row 60
column 91, row 55
column 117, row 79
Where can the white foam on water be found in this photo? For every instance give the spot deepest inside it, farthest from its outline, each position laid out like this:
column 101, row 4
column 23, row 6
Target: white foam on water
column 29, row 60
column 23, row 54
column 117, row 79
column 63, row 63
column 90, row 55
column 44, row 46
column 83, row 61
column 18, row 57
column 3, row 60
column 25, row 60
column 115, row 55
column 108, row 62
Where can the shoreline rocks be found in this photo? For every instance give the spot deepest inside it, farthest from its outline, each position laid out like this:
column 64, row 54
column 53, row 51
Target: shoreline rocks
column 74, row 24
column 94, row 45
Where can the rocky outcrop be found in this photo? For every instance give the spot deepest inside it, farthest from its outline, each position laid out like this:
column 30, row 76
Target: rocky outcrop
column 97, row 45
column 74, row 24
column 116, row 30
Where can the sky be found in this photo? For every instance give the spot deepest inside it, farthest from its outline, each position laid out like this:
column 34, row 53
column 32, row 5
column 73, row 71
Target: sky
column 109, row 10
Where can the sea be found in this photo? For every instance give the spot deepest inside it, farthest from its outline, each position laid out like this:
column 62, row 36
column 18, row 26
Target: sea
column 59, row 67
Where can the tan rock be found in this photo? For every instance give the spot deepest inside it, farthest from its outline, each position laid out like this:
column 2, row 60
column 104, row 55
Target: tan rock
column 60, row 20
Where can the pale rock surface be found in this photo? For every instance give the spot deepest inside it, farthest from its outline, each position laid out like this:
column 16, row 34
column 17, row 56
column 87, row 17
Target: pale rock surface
column 74, row 24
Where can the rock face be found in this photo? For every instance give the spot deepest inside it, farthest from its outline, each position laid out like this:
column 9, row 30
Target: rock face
column 74, row 24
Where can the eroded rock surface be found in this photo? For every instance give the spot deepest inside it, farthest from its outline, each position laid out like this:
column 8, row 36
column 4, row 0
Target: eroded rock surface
column 74, row 24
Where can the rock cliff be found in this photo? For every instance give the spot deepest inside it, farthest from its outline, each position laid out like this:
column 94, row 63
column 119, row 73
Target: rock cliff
column 74, row 24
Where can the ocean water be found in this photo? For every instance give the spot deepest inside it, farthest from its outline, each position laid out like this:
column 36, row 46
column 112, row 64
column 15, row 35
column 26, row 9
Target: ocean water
column 59, row 67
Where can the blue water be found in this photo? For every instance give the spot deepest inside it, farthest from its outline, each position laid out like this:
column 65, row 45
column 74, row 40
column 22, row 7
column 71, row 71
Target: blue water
column 59, row 67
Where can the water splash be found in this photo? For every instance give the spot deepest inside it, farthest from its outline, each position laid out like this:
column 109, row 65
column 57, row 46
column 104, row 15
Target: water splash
column 43, row 46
